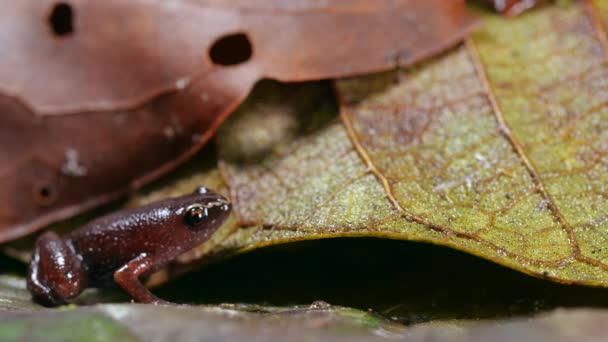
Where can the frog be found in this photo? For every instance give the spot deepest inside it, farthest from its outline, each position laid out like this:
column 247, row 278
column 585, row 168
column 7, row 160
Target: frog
column 122, row 247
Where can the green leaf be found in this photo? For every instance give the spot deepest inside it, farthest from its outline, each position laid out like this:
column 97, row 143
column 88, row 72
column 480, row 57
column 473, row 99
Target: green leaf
column 79, row 325
column 496, row 148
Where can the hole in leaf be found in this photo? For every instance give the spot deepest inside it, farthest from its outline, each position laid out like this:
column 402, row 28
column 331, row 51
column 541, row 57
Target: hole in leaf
column 231, row 49
column 61, row 19
column 44, row 194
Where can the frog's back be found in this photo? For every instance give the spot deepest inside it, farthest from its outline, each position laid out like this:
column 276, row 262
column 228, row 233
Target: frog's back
column 113, row 240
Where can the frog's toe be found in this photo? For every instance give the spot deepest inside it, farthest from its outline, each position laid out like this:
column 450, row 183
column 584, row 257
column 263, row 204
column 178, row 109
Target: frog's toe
column 42, row 294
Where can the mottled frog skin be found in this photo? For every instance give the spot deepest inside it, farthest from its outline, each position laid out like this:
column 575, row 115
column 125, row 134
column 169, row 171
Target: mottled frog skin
column 121, row 247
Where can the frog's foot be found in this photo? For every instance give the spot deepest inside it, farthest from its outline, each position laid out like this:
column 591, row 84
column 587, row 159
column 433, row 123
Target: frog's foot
column 128, row 278
column 55, row 273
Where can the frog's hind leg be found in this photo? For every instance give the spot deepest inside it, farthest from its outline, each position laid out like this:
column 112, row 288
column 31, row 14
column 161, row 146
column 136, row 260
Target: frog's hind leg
column 55, row 272
column 128, row 278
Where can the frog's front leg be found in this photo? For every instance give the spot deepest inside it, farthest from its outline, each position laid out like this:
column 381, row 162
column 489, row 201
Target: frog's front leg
column 128, row 278
column 55, row 273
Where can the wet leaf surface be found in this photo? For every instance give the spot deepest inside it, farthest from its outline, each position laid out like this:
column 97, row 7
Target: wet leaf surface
column 22, row 320
column 89, row 89
column 318, row 321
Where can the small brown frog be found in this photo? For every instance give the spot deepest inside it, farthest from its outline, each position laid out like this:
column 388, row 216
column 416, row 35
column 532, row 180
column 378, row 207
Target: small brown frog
column 121, row 247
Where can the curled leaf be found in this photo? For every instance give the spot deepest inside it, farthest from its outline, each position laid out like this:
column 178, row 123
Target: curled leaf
column 98, row 98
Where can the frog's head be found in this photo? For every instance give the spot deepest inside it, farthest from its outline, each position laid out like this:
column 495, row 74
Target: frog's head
column 191, row 219
column 182, row 223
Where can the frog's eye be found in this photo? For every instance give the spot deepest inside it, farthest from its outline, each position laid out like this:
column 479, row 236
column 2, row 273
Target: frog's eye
column 196, row 215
